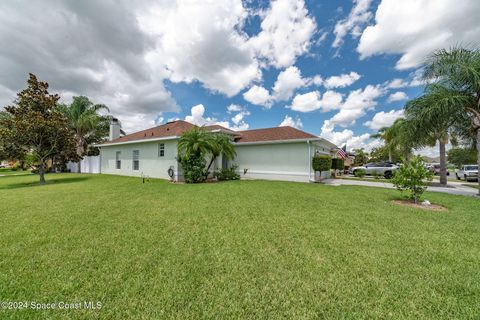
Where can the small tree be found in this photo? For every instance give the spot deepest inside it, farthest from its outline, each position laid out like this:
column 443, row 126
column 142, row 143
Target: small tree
column 37, row 127
column 321, row 163
column 337, row 164
column 193, row 166
column 413, row 177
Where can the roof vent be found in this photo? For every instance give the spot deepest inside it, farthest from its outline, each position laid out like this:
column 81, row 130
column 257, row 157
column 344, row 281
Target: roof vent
column 168, row 129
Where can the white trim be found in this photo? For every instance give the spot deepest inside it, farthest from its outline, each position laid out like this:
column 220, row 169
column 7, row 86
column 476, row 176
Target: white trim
column 283, row 173
column 136, row 141
column 277, row 141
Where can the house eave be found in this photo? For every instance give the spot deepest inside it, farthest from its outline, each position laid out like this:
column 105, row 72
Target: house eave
column 107, row 144
column 277, row 141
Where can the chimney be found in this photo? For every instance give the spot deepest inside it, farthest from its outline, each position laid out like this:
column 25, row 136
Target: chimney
column 115, row 128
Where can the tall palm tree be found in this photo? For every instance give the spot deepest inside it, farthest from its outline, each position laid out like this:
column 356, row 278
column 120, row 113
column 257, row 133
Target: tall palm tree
column 400, row 136
column 386, row 135
column 432, row 125
column 196, row 142
column 85, row 121
column 456, row 75
column 221, row 145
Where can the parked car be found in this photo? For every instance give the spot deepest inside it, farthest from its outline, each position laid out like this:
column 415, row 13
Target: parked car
column 435, row 168
column 385, row 169
column 467, row 172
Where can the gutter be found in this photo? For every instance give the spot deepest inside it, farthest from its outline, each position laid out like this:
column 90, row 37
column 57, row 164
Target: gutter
column 277, row 141
column 135, row 141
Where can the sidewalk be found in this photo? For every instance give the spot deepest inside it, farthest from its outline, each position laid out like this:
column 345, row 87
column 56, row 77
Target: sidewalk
column 455, row 187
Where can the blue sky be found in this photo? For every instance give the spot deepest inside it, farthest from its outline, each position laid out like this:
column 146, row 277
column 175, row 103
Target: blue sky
column 339, row 69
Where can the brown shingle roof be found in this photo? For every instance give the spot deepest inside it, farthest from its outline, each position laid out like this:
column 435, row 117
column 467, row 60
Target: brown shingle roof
column 169, row 129
column 272, row 134
column 177, row 128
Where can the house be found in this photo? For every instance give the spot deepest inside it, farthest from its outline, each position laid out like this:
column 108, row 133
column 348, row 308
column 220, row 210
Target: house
column 281, row 153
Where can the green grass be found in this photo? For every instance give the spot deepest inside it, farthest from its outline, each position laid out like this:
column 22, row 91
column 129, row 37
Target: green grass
column 241, row 249
column 8, row 172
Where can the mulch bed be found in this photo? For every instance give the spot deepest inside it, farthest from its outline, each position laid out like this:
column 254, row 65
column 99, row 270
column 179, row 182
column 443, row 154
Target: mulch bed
column 430, row 207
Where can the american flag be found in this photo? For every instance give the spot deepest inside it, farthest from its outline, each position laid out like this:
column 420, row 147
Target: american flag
column 341, row 153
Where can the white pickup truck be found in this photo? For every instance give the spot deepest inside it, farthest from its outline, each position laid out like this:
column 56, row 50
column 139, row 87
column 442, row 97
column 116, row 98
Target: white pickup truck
column 467, row 172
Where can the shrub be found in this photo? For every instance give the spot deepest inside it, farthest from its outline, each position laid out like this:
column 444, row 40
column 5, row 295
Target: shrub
column 227, row 174
column 359, row 173
column 338, row 164
column 193, row 168
column 321, row 163
column 412, row 177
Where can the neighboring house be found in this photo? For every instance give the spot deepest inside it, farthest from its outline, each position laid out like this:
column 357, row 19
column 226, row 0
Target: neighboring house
column 281, row 153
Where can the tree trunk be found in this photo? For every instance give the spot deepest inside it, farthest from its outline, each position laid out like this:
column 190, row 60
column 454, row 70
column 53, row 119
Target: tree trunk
column 390, row 155
column 209, row 165
column 80, row 152
column 478, row 159
column 41, row 172
column 443, row 163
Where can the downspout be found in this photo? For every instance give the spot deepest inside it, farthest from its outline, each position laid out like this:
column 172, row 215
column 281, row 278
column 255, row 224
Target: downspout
column 309, row 161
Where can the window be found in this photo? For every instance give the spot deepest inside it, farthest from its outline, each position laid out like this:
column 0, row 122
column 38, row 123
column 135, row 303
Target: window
column 161, row 149
column 118, row 162
column 136, row 161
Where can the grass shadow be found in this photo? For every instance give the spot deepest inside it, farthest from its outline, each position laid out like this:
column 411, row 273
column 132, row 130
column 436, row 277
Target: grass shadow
column 49, row 181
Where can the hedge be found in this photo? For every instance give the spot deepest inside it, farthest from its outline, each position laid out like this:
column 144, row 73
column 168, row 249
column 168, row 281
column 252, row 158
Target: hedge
column 321, row 163
column 338, row 164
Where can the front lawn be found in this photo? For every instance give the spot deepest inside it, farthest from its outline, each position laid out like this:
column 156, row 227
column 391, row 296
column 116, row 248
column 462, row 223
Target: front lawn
column 240, row 249
column 8, row 172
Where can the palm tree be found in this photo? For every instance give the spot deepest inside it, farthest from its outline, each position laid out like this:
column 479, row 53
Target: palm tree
column 85, row 122
column 431, row 124
column 399, row 137
column 386, row 135
column 196, row 142
column 221, row 145
column 456, row 76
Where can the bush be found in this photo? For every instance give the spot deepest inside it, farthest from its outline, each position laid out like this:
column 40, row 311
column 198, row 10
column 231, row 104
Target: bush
column 227, row 174
column 412, row 177
column 338, row 164
column 321, row 163
column 193, row 168
column 359, row 173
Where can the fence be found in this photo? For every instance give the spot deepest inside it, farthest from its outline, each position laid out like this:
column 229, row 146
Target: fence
column 87, row 165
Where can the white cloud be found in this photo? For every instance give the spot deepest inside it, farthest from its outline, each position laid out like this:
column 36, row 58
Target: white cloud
column 357, row 18
column 197, row 117
column 397, row 96
column 341, row 81
column 289, row 121
column 239, row 122
column 357, row 102
column 312, row 101
column 234, row 108
column 286, row 32
column 259, row 96
column 202, row 41
column 317, row 80
column 384, row 119
column 348, row 137
column 287, row 82
column 415, row 28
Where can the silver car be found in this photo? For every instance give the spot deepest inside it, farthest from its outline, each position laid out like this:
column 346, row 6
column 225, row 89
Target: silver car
column 467, row 172
column 385, row 169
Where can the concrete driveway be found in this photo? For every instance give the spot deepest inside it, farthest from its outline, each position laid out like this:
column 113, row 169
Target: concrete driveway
column 455, row 187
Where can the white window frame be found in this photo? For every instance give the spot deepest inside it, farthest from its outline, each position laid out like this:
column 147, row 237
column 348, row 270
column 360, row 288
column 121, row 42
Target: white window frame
column 136, row 159
column 161, row 149
column 118, row 160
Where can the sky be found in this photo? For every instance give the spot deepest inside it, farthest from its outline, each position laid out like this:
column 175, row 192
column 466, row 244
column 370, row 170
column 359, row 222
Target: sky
column 337, row 69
